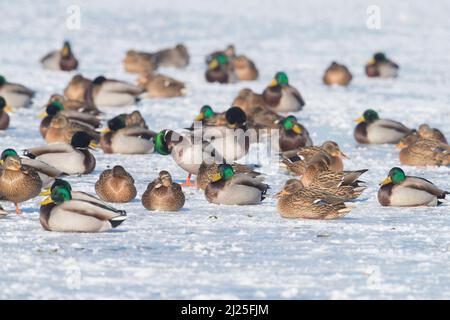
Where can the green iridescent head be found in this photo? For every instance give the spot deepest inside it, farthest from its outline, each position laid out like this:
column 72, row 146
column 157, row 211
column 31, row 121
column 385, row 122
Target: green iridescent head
column 226, row 171
column 370, row 115
column 222, row 59
column 207, row 112
column 161, row 143
column 61, row 183
column 8, row 152
column 282, row 79
column 2, row 80
column 61, row 194
column 397, row 175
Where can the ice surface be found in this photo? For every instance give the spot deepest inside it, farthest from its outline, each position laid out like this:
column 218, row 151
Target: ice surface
column 209, row 251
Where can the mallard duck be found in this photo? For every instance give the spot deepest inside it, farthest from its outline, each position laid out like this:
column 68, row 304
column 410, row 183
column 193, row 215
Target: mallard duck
column 160, row 86
column 208, row 117
column 282, row 97
column 163, row 194
column 76, row 105
column 3, row 212
column 118, row 138
column 295, row 201
column 244, row 67
column 16, row 95
column 61, row 129
column 47, row 173
column 231, row 141
column 229, row 52
column 139, row 62
column 296, row 160
column 116, row 185
column 186, row 151
column 60, row 59
column 417, row 151
column 381, row 66
column 177, row 57
column 18, row 184
column 337, row 74
column 62, row 213
column 400, row 190
column 230, row 189
column 373, row 130
column 426, row 132
column 53, row 108
column 221, row 70
column 207, row 172
column 293, row 135
column 73, row 158
column 103, row 92
column 77, row 195
column 4, row 116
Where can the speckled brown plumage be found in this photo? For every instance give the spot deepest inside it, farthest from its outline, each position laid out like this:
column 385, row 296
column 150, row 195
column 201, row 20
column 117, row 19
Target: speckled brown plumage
column 116, row 185
column 163, row 194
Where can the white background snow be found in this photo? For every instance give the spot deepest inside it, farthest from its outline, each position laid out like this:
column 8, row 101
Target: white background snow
column 209, row 251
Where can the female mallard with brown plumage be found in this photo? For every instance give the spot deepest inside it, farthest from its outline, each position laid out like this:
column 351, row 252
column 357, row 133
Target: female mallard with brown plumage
column 221, row 70
column 53, row 108
column 295, row 201
column 139, row 62
column 4, row 116
column 116, row 185
column 61, row 129
column 18, row 184
column 400, row 190
column 293, row 135
column 62, row 212
column 208, row 172
column 118, row 138
column 16, row 95
column 337, row 74
column 63, row 59
column 176, row 57
column 373, row 130
column 163, row 194
column 46, row 172
column 160, row 86
column 381, row 66
column 73, row 158
column 235, row 189
column 281, row 96
column 417, row 151
column 296, row 160
column 426, row 132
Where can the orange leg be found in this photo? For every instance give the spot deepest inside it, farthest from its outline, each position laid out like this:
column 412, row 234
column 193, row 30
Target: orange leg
column 18, row 210
column 188, row 182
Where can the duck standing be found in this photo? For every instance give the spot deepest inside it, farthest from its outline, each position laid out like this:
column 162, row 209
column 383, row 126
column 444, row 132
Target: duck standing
column 18, row 184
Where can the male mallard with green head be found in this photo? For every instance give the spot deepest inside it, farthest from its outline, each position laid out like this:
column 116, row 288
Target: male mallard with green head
column 220, row 70
column 62, row 213
column 400, row 190
column 381, row 66
column 373, row 130
column 281, row 96
column 293, row 135
column 16, row 95
column 235, row 189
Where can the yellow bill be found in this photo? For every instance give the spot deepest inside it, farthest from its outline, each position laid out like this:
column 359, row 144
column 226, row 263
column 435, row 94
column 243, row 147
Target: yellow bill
column 386, row 181
column 360, row 119
column 1, row 162
column 216, row 177
column 200, row 117
column 273, row 83
column 213, row 64
column 297, row 129
column 43, row 115
column 93, row 145
column 105, row 130
column 9, row 109
column 47, row 200
column 45, row 193
column 371, row 61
